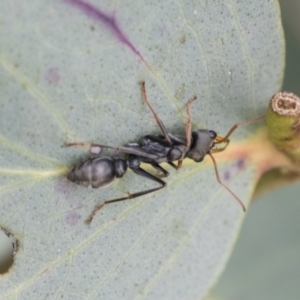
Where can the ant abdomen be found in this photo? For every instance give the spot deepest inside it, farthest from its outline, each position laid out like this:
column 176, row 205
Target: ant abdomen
column 98, row 172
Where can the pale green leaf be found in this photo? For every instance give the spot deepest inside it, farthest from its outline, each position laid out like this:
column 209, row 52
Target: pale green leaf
column 68, row 77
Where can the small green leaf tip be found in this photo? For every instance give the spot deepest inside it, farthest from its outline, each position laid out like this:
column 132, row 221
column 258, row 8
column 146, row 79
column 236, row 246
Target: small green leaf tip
column 283, row 122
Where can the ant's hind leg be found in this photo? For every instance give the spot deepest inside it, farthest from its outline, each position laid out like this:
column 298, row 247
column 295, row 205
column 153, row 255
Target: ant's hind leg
column 93, row 148
column 188, row 124
column 97, row 148
column 138, row 171
column 158, row 120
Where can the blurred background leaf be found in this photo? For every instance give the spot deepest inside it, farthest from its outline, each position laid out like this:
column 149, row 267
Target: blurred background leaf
column 265, row 263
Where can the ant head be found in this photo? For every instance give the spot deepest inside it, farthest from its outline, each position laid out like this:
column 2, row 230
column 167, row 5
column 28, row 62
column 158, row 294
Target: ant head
column 202, row 141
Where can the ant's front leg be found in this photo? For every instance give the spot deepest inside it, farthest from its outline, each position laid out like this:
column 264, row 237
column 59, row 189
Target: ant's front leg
column 93, row 148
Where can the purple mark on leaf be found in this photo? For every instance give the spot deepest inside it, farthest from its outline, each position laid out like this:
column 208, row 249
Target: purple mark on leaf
column 108, row 20
column 63, row 188
column 240, row 164
column 72, row 218
column 226, row 175
column 52, row 76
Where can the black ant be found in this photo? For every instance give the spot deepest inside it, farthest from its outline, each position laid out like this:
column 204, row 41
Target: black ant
column 152, row 149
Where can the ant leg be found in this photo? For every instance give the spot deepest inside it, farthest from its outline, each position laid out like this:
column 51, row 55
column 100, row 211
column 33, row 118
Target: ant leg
column 138, row 171
column 159, row 139
column 158, row 120
column 129, row 150
column 188, row 124
column 94, row 148
column 162, row 171
column 179, row 164
column 176, row 167
column 233, row 128
column 223, row 184
column 220, row 140
column 172, row 165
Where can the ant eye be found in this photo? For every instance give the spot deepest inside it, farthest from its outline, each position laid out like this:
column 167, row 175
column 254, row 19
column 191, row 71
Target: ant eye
column 212, row 134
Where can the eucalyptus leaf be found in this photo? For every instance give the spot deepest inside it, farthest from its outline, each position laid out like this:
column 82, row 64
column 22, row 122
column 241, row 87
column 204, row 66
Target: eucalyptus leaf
column 70, row 71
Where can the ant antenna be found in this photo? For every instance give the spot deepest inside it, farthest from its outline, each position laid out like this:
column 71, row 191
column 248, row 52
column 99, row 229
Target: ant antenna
column 223, row 184
column 225, row 139
column 234, row 127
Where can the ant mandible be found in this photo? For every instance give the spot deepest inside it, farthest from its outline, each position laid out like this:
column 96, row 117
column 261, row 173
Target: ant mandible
column 151, row 149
